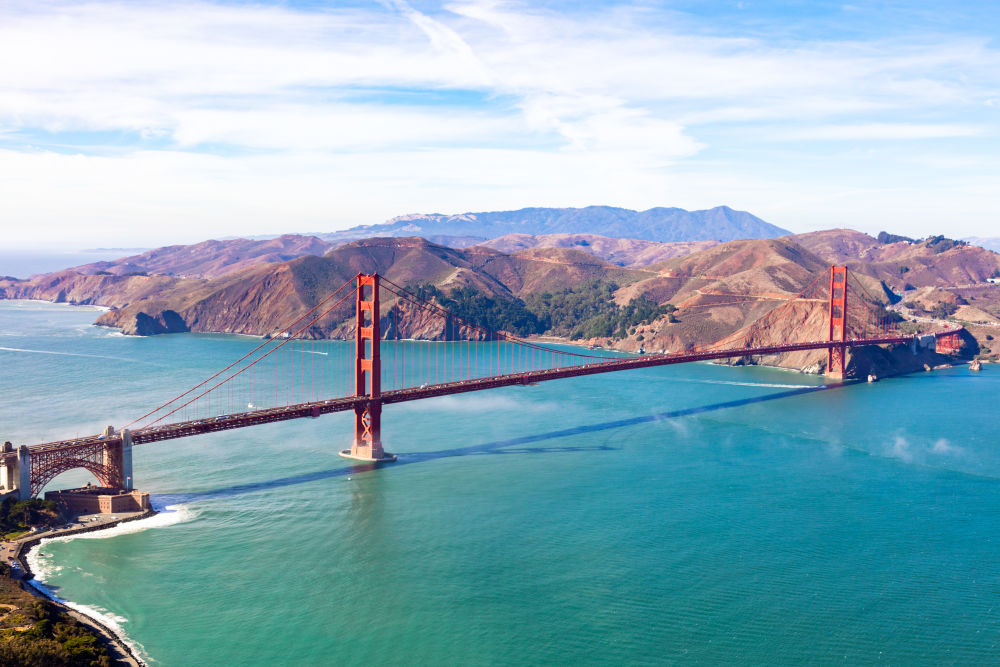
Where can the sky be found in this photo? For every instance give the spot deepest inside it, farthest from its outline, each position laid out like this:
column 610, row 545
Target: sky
column 138, row 124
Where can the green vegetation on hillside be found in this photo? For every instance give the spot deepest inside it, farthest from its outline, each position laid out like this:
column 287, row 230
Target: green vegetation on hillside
column 943, row 311
column 473, row 306
column 937, row 244
column 585, row 311
column 563, row 311
column 36, row 633
column 940, row 244
column 17, row 516
column 885, row 238
column 589, row 311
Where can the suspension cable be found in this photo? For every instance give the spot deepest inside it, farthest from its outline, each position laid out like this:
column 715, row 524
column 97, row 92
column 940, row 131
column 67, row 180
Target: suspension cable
column 283, row 330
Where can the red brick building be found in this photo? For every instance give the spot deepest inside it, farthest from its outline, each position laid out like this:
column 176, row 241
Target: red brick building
column 100, row 500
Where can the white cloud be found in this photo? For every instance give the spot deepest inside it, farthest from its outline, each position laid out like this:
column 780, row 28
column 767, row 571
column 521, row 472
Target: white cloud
column 884, row 131
column 366, row 113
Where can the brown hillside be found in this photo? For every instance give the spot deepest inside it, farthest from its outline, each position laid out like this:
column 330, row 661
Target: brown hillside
column 262, row 299
column 103, row 290
column 547, row 269
column 902, row 263
column 623, row 252
column 836, row 246
column 211, row 259
column 724, row 289
column 718, row 290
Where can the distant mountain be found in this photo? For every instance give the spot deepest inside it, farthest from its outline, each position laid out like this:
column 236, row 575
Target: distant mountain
column 656, row 224
column 990, row 243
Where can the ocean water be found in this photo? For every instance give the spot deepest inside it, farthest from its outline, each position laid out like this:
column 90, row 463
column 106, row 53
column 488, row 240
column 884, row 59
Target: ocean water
column 688, row 514
column 27, row 263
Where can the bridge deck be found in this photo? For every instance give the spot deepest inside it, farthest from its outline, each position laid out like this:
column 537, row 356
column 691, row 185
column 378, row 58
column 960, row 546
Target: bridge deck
column 315, row 409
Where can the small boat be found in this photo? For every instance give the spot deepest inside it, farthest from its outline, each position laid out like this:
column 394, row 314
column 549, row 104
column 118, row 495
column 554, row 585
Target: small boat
column 872, row 378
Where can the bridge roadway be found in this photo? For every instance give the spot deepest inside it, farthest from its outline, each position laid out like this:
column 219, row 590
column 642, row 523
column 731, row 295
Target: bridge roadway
column 315, row 409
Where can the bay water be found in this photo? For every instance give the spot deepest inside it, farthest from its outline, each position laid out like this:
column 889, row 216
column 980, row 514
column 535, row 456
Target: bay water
column 694, row 514
column 26, row 263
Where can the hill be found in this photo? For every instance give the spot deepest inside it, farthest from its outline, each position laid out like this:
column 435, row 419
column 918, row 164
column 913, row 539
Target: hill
column 621, row 236
column 656, row 224
column 670, row 305
column 990, row 243
column 563, row 285
column 721, row 290
column 259, row 300
column 623, row 252
column 210, row 259
column 216, row 258
column 36, row 631
column 904, row 263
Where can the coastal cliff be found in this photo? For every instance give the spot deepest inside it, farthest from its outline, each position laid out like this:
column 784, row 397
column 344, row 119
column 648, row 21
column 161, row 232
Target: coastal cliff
column 703, row 296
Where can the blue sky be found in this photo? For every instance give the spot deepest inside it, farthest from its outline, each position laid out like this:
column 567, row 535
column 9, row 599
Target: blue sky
column 147, row 123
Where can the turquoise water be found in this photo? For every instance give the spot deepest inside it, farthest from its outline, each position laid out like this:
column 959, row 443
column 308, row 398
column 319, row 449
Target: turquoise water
column 690, row 514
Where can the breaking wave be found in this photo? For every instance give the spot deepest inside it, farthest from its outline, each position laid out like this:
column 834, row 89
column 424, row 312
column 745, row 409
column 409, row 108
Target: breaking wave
column 43, row 568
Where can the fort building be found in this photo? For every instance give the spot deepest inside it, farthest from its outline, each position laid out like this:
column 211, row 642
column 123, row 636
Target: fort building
column 100, row 500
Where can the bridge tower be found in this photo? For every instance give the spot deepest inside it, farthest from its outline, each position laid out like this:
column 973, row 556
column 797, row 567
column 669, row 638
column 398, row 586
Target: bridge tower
column 367, row 444
column 836, row 358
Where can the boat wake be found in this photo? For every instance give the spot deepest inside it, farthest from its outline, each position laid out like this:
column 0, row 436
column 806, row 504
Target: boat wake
column 754, row 384
column 66, row 354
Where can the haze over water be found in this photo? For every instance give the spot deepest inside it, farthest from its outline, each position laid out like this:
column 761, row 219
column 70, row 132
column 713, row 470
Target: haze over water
column 693, row 513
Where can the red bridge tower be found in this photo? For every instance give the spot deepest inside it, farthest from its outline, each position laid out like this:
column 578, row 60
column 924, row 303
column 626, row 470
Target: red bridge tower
column 367, row 376
column 836, row 358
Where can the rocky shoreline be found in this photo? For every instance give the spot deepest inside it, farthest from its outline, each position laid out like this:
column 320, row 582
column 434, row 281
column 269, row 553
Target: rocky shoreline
column 116, row 644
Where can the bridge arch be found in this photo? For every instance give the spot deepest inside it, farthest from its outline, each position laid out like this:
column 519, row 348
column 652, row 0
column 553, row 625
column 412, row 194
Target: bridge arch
column 102, row 460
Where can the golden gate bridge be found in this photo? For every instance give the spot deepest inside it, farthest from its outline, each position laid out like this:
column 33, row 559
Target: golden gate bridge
column 295, row 374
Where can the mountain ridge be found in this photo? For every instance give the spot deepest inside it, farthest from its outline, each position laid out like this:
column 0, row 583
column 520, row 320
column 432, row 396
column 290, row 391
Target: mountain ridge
column 700, row 284
column 662, row 224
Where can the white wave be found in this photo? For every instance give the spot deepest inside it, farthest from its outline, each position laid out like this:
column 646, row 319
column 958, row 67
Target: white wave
column 42, row 568
column 166, row 516
column 943, row 446
column 922, row 453
column 111, row 621
column 314, row 352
